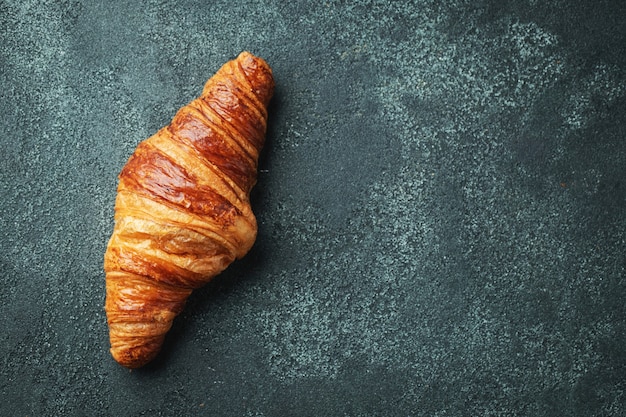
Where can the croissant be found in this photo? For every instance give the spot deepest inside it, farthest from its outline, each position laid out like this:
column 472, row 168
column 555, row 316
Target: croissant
column 182, row 211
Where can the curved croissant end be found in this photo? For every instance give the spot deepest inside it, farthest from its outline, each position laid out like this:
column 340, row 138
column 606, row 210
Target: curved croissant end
column 182, row 212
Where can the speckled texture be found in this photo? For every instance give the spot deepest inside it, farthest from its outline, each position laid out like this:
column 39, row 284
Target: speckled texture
column 441, row 208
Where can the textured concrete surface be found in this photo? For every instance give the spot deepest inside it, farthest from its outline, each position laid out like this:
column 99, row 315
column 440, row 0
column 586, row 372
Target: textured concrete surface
column 441, row 207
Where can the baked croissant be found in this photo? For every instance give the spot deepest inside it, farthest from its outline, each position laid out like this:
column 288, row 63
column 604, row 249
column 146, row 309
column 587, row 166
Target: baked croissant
column 182, row 212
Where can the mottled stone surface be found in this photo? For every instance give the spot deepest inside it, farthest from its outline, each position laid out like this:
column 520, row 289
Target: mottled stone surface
column 441, row 206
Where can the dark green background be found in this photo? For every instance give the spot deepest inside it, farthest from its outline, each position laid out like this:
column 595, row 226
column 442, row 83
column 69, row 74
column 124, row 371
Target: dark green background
column 441, row 206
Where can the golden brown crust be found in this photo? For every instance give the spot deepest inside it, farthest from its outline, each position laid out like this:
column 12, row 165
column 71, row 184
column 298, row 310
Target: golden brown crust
column 182, row 212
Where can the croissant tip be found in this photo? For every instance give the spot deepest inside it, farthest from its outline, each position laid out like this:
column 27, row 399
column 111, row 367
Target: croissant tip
column 133, row 358
column 248, row 59
column 247, row 54
column 259, row 73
